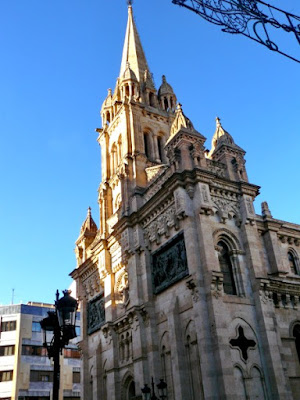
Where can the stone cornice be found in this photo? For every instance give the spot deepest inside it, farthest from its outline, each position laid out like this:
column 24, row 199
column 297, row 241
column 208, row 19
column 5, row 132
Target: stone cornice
column 85, row 269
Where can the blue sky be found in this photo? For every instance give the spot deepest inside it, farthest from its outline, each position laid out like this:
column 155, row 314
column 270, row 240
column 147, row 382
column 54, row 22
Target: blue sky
column 58, row 58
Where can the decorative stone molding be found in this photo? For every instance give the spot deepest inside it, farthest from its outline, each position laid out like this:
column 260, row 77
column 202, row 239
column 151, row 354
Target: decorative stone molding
column 161, row 225
column 281, row 294
column 190, row 284
column 289, row 239
column 155, row 172
column 216, row 167
column 157, row 184
column 217, row 284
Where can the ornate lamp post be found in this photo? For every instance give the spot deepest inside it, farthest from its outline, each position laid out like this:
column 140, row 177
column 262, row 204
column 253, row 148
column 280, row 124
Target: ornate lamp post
column 62, row 323
column 149, row 394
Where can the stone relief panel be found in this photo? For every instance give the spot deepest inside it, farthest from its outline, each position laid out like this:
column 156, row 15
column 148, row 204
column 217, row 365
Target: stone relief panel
column 122, row 288
column 169, row 264
column 95, row 314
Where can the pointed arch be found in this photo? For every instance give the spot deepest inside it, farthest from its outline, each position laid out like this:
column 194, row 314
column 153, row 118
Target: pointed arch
column 128, row 387
column 166, row 363
column 257, row 387
column 229, row 284
column 228, row 249
column 293, row 260
column 193, row 362
column 240, row 388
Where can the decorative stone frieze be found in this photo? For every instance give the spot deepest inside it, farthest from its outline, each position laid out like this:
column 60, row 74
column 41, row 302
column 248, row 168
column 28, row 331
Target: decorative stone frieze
column 217, row 168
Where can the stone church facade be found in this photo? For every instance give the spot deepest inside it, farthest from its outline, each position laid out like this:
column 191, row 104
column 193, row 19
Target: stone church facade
column 182, row 280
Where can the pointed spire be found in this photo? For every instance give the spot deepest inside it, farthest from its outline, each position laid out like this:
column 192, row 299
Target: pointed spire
column 221, row 136
column 89, row 226
column 181, row 121
column 133, row 52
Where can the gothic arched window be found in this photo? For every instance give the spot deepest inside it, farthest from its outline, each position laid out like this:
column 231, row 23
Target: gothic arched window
column 226, row 267
column 296, row 334
column 292, row 263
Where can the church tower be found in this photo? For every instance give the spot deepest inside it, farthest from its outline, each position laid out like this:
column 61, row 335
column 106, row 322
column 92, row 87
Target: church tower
column 182, row 281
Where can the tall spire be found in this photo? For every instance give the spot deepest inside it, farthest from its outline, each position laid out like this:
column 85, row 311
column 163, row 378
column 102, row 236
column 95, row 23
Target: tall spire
column 133, row 53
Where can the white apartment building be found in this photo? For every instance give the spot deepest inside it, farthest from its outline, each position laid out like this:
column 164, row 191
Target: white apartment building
column 26, row 372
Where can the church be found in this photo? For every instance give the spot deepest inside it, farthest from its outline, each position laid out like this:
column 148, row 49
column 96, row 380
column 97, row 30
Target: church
column 182, row 283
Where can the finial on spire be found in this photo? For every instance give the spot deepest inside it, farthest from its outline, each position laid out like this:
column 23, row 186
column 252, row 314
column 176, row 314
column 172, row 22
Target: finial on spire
column 218, row 121
column 179, row 107
column 129, row 2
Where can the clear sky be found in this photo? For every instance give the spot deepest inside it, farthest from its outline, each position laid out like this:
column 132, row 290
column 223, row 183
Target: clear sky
column 58, row 58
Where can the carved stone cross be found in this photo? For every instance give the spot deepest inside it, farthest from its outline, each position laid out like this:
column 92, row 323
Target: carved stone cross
column 242, row 343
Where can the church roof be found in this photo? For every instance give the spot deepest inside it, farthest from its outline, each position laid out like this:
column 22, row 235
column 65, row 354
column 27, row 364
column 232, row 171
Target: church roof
column 133, row 53
column 165, row 87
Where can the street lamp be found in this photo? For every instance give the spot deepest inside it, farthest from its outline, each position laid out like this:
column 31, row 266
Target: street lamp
column 62, row 323
column 162, row 389
column 149, row 394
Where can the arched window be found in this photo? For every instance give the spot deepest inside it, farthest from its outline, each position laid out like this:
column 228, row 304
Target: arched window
column 107, row 118
column 166, row 363
column 147, row 145
column 114, row 158
column 127, row 90
column 160, row 148
column 119, row 149
column 296, row 334
column 226, row 268
column 151, row 99
column 166, row 104
column 292, row 262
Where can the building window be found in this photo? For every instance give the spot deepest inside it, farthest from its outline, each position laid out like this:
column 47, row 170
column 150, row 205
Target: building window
column 226, row 268
column 36, row 326
column 28, row 350
column 71, row 353
column 146, row 145
column 76, row 377
column 78, row 330
column 7, row 350
column 41, row 376
column 292, row 262
column 296, row 334
column 160, row 148
column 6, row 376
column 8, row 326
